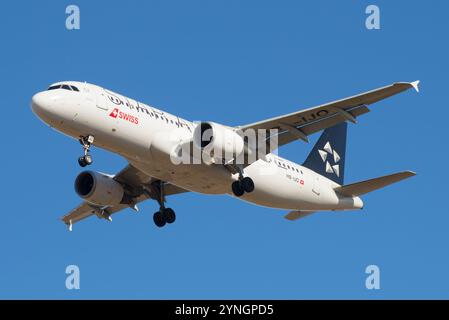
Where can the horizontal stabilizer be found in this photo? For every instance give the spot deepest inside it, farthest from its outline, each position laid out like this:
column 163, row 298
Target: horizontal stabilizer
column 295, row 215
column 359, row 188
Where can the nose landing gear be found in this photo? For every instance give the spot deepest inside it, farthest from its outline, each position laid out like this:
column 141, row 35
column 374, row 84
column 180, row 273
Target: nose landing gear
column 86, row 142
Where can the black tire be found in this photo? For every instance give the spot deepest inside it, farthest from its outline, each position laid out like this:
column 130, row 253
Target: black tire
column 170, row 215
column 88, row 159
column 247, row 184
column 82, row 162
column 237, row 189
column 159, row 219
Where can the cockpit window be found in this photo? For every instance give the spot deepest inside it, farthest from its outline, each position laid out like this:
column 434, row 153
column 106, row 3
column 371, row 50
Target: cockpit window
column 55, row 87
column 64, row 86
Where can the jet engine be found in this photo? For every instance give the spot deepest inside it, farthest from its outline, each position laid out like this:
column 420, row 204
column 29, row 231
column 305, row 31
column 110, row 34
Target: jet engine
column 98, row 189
column 217, row 142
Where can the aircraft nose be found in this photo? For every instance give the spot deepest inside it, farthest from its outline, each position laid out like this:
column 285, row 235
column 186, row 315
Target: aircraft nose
column 42, row 105
column 40, row 102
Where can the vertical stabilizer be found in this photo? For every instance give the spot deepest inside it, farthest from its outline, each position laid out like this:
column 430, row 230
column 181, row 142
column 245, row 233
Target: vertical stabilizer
column 327, row 157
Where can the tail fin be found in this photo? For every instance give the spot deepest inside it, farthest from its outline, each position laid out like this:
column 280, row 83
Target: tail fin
column 327, row 157
column 359, row 188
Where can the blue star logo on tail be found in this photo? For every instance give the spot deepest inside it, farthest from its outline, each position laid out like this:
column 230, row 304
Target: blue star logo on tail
column 331, row 158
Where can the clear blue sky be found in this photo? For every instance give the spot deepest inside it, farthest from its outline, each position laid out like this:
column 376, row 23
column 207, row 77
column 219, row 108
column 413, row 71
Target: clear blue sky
column 233, row 62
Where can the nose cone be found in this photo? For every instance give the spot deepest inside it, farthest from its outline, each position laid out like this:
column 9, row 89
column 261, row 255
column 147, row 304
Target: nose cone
column 42, row 106
column 40, row 102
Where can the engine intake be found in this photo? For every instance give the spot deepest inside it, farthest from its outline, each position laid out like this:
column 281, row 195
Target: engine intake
column 98, row 189
column 217, row 142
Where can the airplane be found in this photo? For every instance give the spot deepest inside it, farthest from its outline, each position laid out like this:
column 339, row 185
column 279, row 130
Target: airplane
column 152, row 141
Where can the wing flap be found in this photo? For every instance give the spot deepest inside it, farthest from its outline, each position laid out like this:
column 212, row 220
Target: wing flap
column 286, row 137
column 85, row 210
column 81, row 212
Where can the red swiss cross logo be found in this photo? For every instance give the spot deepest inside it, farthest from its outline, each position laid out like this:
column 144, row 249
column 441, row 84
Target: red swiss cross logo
column 114, row 113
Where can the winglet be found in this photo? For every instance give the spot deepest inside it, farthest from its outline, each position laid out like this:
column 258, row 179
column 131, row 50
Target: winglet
column 415, row 85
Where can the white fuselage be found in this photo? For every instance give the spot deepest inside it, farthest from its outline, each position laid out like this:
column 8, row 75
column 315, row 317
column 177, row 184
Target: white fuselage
column 146, row 136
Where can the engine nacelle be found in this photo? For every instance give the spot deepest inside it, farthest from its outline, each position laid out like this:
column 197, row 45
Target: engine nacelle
column 217, row 142
column 98, row 189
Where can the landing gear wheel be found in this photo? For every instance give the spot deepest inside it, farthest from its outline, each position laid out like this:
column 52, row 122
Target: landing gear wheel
column 170, row 215
column 82, row 162
column 85, row 160
column 247, row 184
column 164, row 215
column 159, row 219
column 88, row 159
column 237, row 188
column 86, row 142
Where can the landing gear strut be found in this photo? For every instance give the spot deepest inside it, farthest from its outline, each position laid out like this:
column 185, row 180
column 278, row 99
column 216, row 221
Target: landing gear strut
column 86, row 142
column 164, row 215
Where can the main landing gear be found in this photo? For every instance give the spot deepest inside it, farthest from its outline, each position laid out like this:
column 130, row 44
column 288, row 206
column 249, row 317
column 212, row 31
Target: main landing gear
column 86, row 142
column 242, row 185
column 164, row 215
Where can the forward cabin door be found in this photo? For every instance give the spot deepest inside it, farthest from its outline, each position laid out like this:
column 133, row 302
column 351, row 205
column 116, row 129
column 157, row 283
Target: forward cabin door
column 100, row 99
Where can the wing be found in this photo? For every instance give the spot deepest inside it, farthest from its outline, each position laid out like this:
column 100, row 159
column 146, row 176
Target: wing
column 301, row 124
column 138, row 187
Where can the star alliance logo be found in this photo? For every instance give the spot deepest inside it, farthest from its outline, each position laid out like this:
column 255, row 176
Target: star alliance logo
column 326, row 155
